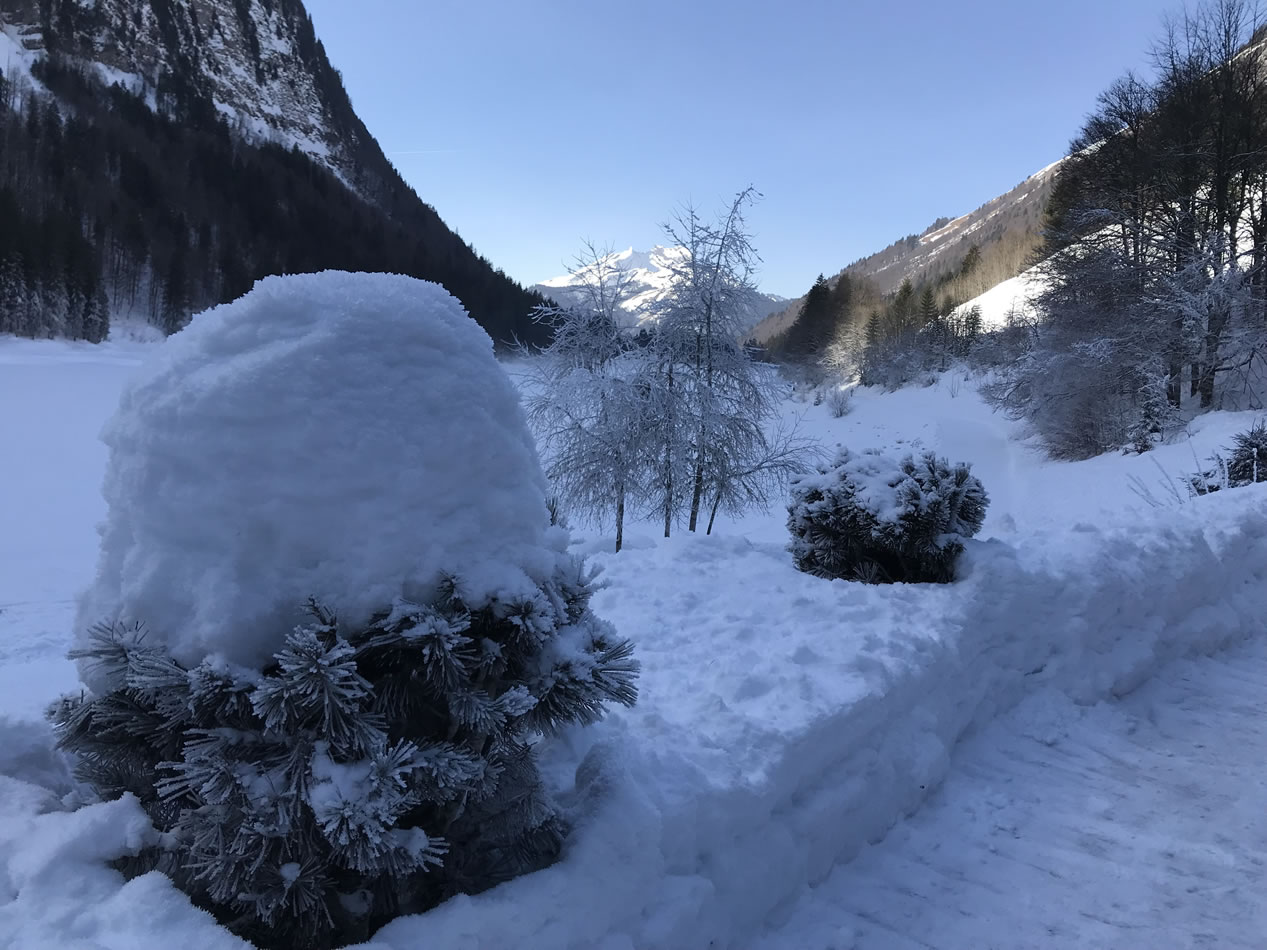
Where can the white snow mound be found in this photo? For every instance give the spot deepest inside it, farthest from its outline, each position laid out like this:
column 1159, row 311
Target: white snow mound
column 349, row 437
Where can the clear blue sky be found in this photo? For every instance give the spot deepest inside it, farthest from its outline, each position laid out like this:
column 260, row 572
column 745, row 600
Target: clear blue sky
column 531, row 125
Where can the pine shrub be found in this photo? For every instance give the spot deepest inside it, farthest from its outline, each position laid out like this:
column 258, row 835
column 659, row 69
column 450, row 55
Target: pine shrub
column 879, row 519
column 364, row 773
column 1247, row 462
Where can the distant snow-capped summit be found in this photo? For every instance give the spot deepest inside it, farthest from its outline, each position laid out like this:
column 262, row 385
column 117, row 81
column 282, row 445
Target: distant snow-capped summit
column 651, row 273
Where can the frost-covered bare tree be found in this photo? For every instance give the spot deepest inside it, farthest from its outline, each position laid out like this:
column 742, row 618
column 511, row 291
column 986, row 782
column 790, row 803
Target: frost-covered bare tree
column 715, row 447
column 746, row 472
column 679, row 422
column 1156, row 245
column 589, row 398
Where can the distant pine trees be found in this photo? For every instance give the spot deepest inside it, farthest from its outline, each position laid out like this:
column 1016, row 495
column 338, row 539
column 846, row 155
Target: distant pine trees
column 848, row 327
column 815, row 324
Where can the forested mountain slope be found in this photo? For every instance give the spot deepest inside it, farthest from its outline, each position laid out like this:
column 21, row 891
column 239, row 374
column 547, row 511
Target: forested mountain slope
column 1004, row 231
column 159, row 157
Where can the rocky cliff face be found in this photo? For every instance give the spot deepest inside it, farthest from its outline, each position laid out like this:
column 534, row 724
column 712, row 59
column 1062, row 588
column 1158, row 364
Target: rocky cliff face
column 257, row 62
column 160, row 156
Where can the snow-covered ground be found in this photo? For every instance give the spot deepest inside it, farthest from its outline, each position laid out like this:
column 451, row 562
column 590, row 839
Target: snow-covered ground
column 1134, row 825
column 786, row 723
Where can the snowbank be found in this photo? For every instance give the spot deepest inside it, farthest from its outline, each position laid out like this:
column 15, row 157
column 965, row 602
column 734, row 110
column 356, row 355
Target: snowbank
column 343, row 436
column 57, row 892
column 810, row 716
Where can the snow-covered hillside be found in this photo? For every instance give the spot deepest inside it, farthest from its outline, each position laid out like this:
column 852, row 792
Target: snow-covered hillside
column 997, row 228
column 650, row 274
column 785, row 721
column 1011, row 301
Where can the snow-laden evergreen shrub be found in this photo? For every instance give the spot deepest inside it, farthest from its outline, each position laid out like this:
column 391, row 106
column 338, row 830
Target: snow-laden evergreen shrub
column 349, row 437
column 365, row 773
column 882, row 519
column 1245, row 464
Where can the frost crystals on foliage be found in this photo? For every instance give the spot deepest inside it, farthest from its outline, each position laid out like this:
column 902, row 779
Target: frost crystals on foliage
column 364, row 773
column 875, row 518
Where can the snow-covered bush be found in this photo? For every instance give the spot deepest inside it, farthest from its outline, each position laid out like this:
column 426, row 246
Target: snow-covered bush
column 351, row 437
column 366, row 772
column 345, row 436
column 1245, row 464
column 838, row 402
column 877, row 518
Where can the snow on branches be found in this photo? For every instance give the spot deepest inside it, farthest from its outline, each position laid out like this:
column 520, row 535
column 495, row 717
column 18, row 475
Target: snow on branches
column 877, row 518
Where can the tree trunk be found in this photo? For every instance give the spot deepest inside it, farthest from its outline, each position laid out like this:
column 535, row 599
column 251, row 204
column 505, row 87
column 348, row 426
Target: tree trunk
column 1206, row 386
column 697, row 492
column 668, row 489
column 668, row 504
column 620, row 516
column 713, row 514
column 668, row 465
column 1213, row 340
column 1174, row 384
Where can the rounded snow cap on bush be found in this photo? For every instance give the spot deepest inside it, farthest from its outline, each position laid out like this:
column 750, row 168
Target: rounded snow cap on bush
column 349, row 437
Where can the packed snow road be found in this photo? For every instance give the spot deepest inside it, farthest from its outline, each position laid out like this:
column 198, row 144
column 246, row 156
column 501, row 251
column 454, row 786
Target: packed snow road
column 1135, row 825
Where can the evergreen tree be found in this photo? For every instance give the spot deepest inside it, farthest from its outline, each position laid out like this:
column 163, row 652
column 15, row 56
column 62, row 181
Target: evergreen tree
column 903, row 310
column 814, row 325
column 842, row 300
column 934, row 327
column 872, row 348
column 971, row 261
column 929, row 312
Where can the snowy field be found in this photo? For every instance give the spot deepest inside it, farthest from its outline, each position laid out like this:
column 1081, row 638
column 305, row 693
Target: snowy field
column 786, row 723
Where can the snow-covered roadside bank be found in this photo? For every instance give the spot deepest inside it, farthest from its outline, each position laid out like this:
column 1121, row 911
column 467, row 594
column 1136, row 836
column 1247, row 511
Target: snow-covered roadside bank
column 808, row 717
column 1133, row 825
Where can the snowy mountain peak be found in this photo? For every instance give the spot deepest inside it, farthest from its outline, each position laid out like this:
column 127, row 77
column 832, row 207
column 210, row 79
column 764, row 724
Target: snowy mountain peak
column 652, row 267
column 650, row 273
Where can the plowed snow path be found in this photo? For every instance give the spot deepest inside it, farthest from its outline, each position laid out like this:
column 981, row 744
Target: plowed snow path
column 1137, row 825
